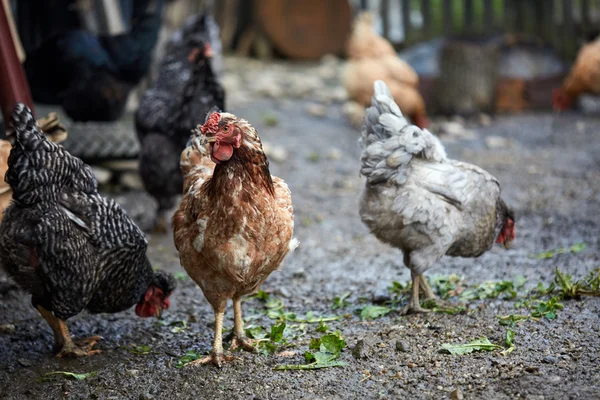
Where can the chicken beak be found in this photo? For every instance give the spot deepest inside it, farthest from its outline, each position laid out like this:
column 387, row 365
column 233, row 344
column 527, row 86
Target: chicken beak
column 158, row 313
column 211, row 139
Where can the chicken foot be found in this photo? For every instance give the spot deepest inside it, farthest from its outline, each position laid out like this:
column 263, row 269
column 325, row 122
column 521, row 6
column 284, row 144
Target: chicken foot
column 240, row 340
column 216, row 355
column 413, row 305
column 64, row 345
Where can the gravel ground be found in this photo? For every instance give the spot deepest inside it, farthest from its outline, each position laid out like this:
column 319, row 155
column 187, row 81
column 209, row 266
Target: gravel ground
column 549, row 168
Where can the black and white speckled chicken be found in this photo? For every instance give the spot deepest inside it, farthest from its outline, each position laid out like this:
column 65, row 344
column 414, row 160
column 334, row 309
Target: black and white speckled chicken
column 71, row 248
column 186, row 89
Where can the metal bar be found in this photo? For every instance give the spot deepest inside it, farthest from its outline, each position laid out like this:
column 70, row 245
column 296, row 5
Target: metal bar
column 426, row 12
column 364, row 5
column 447, row 16
column 406, row 20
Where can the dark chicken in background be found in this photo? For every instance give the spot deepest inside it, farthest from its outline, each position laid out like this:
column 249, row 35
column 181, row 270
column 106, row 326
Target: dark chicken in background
column 187, row 88
column 422, row 202
column 71, row 248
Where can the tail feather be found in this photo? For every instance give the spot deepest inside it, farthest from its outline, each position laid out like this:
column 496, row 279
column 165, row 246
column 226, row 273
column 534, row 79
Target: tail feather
column 390, row 141
column 38, row 169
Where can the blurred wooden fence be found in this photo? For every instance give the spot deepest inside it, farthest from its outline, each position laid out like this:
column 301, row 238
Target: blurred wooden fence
column 565, row 24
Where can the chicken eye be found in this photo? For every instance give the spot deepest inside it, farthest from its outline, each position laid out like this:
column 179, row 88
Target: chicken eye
column 226, row 128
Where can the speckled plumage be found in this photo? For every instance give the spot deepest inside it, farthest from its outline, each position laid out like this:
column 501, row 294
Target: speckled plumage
column 417, row 199
column 184, row 92
column 71, row 248
column 235, row 223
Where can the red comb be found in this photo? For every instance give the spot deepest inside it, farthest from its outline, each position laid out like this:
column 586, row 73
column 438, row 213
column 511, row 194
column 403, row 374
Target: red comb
column 212, row 123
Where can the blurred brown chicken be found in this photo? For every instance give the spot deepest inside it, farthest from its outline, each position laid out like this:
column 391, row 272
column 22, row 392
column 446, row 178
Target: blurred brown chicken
column 583, row 78
column 54, row 131
column 235, row 222
column 371, row 57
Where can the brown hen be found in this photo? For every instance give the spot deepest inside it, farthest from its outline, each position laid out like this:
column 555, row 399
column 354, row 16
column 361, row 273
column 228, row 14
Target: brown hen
column 371, row 58
column 583, row 78
column 235, row 223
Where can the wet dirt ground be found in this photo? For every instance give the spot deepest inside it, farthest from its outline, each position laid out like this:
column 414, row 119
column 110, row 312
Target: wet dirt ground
column 549, row 167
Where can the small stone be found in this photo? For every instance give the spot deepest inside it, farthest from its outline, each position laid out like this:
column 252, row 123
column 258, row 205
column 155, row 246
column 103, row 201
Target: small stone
column 381, row 297
column 361, row 350
column 532, row 368
column 456, row 394
column 334, row 154
column 287, row 353
column 24, row 362
column 497, row 142
column 132, row 372
column 192, row 318
column 317, row 110
column 146, row 396
column 284, row 292
column 411, row 365
column 354, row 112
column 102, row 175
column 7, row 328
column 132, row 180
column 402, row 346
column 279, row 154
column 550, row 360
column 485, row 119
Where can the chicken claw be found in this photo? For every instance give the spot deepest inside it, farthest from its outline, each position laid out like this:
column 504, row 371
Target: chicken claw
column 213, row 358
column 413, row 306
column 243, row 343
column 82, row 348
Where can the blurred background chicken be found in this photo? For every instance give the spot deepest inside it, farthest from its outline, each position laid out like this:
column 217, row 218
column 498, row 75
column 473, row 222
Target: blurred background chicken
column 71, row 248
column 186, row 89
column 371, row 57
column 583, row 78
column 418, row 200
column 235, row 223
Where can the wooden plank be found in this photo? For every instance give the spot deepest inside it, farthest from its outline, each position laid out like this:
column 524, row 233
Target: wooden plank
column 567, row 31
column 426, row 12
column 447, row 16
column 385, row 17
column 468, row 12
column 406, row 20
column 488, row 15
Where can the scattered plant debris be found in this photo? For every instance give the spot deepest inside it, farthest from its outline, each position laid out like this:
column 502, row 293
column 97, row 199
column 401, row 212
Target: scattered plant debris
column 340, row 301
column 328, row 349
column 576, row 248
column 373, row 312
column 509, row 342
column 70, row 375
column 481, row 344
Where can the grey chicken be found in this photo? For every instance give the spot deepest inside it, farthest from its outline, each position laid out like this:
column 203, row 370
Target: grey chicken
column 186, row 89
column 71, row 248
column 420, row 201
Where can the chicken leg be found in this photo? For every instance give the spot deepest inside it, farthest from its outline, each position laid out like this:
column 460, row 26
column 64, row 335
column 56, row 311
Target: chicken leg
column 429, row 295
column 239, row 336
column 160, row 223
column 64, row 345
column 216, row 355
column 413, row 305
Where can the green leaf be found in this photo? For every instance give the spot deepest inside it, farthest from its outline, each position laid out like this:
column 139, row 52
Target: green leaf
column 178, row 326
column 141, row 350
column 577, row 248
column 322, row 327
column 340, row 302
column 187, row 358
column 65, row 374
column 332, row 343
column 182, row 276
column 510, row 337
column 273, row 303
column 255, row 332
column 512, row 319
column 481, row 344
column 373, row 312
column 330, row 347
column 277, row 332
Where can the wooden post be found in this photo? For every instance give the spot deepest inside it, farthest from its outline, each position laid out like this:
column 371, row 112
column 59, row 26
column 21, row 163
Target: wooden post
column 13, row 84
